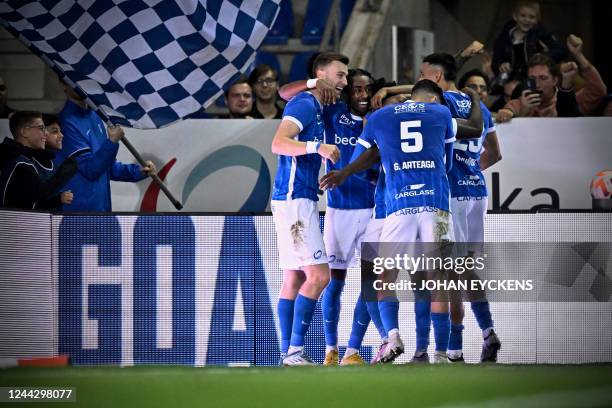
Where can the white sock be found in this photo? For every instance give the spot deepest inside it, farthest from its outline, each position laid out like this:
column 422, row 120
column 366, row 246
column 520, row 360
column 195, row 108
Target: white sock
column 454, row 353
column 330, row 348
column 393, row 332
column 350, row 351
column 486, row 332
column 384, row 340
column 293, row 349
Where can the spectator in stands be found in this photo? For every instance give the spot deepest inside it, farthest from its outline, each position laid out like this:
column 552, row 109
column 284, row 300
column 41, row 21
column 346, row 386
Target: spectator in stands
column 593, row 92
column 521, row 38
column 86, row 140
column 239, row 100
column 264, row 81
column 5, row 111
column 476, row 80
column 543, row 98
column 507, row 93
column 53, row 144
column 25, row 183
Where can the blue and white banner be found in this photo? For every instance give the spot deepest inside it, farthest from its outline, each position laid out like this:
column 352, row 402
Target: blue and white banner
column 143, row 63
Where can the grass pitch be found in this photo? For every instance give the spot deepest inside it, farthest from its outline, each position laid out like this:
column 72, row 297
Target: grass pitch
column 514, row 386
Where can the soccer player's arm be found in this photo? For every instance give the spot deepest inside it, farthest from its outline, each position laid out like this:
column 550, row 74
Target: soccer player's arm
column 472, row 127
column 326, row 90
column 91, row 164
column 298, row 115
column 491, row 151
column 449, row 139
column 379, row 97
column 365, row 155
column 126, row 172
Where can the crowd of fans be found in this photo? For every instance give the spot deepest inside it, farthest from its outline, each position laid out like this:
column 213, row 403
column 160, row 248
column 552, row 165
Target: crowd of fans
column 529, row 73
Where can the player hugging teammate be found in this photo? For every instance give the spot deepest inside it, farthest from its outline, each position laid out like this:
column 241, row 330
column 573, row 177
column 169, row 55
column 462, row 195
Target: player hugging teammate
column 421, row 130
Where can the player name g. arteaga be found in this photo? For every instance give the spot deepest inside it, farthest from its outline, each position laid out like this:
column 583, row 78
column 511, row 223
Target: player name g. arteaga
column 414, row 164
column 511, row 285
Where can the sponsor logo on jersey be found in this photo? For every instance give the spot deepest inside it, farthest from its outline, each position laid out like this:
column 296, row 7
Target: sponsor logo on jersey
column 345, row 141
column 414, row 210
column 410, row 107
column 468, row 161
column 471, row 180
column 345, row 120
column 464, row 106
column 414, row 191
column 414, row 164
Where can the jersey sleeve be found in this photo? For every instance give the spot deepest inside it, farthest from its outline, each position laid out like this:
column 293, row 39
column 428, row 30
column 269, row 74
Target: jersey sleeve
column 367, row 138
column 489, row 125
column 300, row 111
column 451, row 128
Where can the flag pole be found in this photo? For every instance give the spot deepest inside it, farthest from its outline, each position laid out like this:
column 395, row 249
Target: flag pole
column 177, row 204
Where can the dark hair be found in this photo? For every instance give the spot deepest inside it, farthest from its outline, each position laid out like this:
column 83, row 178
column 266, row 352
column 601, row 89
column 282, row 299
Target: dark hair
column 469, row 74
column 21, row 119
column 326, row 58
column 49, row 119
column 260, row 70
column 242, row 79
column 543, row 59
column 428, row 87
column 446, row 62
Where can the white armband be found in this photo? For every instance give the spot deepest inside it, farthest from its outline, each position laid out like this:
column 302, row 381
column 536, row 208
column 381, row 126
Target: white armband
column 312, row 83
column 312, row 147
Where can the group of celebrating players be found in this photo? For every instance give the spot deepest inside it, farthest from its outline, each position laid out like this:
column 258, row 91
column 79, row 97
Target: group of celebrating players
column 413, row 173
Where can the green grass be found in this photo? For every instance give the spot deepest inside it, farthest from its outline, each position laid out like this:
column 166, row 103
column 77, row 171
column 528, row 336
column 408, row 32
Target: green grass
column 373, row 387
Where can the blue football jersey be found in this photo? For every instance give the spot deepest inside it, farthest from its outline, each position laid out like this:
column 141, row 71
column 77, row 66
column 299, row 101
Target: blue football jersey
column 411, row 138
column 466, row 178
column 380, row 209
column 343, row 129
column 298, row 177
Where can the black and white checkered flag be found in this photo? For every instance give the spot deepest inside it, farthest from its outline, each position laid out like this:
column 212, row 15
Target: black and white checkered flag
column 143, row 63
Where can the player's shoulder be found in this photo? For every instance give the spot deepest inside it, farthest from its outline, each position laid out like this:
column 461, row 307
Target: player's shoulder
column 302, row 99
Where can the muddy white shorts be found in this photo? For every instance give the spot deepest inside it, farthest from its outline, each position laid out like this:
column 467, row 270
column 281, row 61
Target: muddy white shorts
column 298, row 233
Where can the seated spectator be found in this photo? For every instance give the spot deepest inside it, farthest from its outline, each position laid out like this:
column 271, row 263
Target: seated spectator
column 239, row 100
column 5, row 110
column 542, row 99
column 523, row 37
column 508, row 92
column 24, row 182
column 264, row 81
column 593, row 92
column 476, row 80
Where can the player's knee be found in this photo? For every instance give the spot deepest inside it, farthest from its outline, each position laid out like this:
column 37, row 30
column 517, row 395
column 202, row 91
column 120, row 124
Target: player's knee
column 319, row 280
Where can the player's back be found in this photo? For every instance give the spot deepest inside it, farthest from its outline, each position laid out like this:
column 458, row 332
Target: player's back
column 466, row 179
column 411, row 138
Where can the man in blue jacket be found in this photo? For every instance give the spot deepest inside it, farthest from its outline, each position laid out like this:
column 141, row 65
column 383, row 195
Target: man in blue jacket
column 95, row 150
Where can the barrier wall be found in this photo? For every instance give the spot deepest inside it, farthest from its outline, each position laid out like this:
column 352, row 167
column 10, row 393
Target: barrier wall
column 546, row 163
column 201, row 290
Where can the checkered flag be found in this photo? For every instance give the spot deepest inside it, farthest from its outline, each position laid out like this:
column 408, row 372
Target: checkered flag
column 143, row 63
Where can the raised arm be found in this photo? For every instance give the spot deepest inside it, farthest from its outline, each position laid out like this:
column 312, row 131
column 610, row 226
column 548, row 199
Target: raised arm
column 285, row 143
column 327, row 92
column 472, row 127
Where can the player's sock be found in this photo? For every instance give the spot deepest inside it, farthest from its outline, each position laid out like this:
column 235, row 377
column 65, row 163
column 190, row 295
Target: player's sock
column 302, row 316
column 483, row 315
column 422, row 313
column 455, row 341
column 361, row 320
column 331, row 310
column 389, row 308
column 375, row 316
column 285, row 318
column 350, row 351
column 441, row 326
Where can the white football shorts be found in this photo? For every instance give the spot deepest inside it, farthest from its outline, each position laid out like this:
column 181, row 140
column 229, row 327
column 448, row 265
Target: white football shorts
column 298, row 233
column 342, row 233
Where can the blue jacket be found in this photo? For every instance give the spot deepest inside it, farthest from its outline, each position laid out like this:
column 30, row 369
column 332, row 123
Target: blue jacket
column 86, row 141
